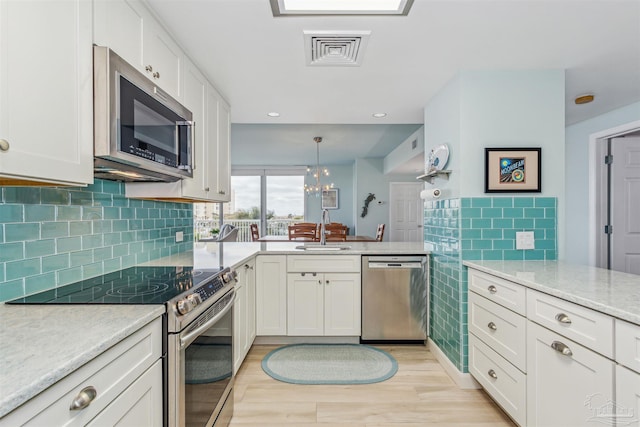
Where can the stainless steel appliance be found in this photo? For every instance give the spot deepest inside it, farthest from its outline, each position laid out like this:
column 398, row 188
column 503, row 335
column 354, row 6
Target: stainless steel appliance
column 198, row 363
column 395, row 298
column 140, row 132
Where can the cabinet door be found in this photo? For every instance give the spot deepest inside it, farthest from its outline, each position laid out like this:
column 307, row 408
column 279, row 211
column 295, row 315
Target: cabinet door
column 627, row 397
column 239, row 322
column 342, row 304
column 119, row 25
column 138, row 405
column 162, row 58
column 251, row 303
column 565, row 389
column 271, row 295
column 195, row 99
column 305, row 304
column 224, row 155
column 218, row 118
column 46, row 92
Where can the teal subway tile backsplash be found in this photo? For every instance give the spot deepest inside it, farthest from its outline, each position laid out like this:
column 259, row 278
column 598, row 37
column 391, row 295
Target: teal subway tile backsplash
column 54, row 236
column 479, row 228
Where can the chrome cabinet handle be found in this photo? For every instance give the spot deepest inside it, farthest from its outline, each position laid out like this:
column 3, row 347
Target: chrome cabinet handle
column 206, row 189
column 561, row 348
column 313, row 274
column 327, row 282
column 84, row 398
column 4, row 145
column 221, row 192
column 148, row 68
column 492, row 374
column 492, row 289
column 563, row 318
column 248, row 267
column 156, row 75
column 492, row 326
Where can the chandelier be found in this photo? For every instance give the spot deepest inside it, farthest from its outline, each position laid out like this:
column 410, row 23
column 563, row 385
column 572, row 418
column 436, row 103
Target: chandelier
column 317, row 171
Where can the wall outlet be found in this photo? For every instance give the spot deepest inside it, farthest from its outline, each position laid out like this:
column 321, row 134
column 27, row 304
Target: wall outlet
column 179, row 236
column 524, row 240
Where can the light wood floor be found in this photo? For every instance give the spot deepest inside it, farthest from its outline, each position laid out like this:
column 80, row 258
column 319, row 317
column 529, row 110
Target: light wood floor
column 420, row 394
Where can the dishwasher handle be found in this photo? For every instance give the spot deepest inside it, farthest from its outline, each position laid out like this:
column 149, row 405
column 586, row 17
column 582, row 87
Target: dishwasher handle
column 394, row 265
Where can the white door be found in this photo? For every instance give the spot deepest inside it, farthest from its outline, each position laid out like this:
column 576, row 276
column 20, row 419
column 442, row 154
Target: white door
column 625, row 205
column 405, row 212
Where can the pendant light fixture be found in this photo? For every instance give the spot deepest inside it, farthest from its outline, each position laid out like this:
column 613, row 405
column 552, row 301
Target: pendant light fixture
column 317, row 172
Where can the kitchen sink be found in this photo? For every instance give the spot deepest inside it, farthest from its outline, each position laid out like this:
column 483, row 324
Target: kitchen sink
column 323, row 247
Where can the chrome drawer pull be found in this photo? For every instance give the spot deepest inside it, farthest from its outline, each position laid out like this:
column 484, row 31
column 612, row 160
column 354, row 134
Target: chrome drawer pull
column 492, row 289
column 492, row 326
column 563, row 318
column 492, row 374
column 4, row 145
column 561, row 348
column 84, row 398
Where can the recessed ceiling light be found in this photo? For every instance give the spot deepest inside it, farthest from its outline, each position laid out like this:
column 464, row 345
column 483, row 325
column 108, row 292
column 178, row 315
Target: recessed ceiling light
column 379, row 115
column 340, row 7
column 273, row 114
column 584, row 99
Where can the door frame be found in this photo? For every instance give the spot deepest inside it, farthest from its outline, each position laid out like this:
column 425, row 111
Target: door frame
column 598, row 189
column 391, row 215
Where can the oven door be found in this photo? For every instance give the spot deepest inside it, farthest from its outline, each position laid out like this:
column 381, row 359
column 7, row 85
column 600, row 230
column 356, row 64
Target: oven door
column 200, row 369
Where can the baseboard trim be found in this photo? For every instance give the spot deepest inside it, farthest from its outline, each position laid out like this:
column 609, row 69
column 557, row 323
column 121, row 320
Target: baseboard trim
column 280, row 340
column 464, row 381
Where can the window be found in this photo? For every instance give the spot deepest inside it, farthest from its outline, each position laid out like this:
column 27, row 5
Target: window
column 271, row 198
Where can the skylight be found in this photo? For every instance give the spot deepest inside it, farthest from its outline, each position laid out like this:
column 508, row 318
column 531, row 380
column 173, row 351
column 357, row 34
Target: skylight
column 340, row 7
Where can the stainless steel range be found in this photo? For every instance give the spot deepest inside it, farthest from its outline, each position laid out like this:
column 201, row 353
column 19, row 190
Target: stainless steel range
column 198, row 339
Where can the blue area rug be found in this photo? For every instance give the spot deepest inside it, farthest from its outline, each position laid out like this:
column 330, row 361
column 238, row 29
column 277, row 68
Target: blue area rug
column 329, row 364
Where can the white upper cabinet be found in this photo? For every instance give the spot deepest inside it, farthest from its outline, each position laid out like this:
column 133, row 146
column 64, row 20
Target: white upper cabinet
column 218, row 133
column 46, row 92
column 130, row 30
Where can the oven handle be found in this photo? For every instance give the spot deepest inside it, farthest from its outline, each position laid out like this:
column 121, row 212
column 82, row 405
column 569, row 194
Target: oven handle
column 191, row 336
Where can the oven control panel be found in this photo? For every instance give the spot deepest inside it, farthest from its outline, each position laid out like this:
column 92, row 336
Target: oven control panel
column 205, row 291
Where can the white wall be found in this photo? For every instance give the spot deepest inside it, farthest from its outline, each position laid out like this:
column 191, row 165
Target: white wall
column 406, row 153
column 577, row 177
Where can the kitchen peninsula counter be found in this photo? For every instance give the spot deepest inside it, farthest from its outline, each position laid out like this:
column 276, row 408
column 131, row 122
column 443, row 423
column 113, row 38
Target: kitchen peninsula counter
column 610, row 292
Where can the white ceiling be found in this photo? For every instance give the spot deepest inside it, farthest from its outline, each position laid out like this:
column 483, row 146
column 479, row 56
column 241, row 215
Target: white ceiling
column 258, row 62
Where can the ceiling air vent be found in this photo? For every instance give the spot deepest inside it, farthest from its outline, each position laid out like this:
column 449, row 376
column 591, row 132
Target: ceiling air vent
column 337, row 49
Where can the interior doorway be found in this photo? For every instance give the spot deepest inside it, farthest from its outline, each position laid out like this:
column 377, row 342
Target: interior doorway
column 615, row 186
column 405, row 212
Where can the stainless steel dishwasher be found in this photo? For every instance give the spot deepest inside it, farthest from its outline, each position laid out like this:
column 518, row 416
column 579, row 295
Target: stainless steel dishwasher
column 395, row 298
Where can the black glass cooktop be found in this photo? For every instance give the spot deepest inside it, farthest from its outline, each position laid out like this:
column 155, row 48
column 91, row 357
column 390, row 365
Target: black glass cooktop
column 135, row 285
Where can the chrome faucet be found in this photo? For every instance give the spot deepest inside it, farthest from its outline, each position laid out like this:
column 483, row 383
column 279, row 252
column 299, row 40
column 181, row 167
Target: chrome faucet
column 325, row 220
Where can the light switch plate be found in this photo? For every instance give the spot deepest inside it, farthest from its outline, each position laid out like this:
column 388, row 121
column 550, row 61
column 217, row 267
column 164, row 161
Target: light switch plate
column 179, row 236
column 525, row 240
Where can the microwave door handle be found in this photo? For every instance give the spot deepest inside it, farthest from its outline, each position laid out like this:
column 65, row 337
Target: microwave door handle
column 192, row 146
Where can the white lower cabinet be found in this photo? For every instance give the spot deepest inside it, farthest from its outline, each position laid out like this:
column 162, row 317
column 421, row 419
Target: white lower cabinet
column 127, row 380
column 567, row 384
column 323, row 304
column 627, row 403
column 504, row 382
column 244, row 313
column 271, row 295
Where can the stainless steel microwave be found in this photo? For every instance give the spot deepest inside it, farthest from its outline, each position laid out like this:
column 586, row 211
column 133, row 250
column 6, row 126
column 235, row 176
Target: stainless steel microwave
column 140, row 132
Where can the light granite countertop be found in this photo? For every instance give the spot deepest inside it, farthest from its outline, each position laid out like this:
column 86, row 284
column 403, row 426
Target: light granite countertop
column 610, row 292
column 230, row 254
column 41, row 344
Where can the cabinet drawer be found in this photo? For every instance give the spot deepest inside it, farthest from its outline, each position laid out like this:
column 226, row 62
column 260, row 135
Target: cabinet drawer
column 503, row 330
column 587, row 327
column 504, row 383
column 628, row 345
column 323, row 263
column 110, row 374
column 503, row 292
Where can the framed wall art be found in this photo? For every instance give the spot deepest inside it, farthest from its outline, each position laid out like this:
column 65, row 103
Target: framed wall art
column 512, row 170
column 330, row 199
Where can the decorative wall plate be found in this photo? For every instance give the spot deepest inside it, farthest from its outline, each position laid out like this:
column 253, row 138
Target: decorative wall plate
column 438, row 158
